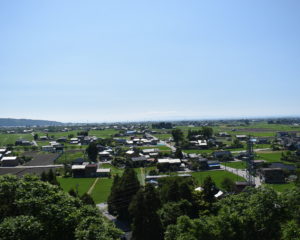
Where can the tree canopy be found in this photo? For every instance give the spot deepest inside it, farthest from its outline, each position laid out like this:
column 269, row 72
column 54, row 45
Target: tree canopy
column 33, row 209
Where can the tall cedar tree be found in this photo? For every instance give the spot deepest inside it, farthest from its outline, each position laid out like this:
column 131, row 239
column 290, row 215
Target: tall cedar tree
column 209, row 190
column 122, row 194
column 143, row 209
column 92, row 151
column 178, row 136
column 113, row 194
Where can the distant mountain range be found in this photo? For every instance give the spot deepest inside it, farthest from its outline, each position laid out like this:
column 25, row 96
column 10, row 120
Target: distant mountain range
column 12, row 122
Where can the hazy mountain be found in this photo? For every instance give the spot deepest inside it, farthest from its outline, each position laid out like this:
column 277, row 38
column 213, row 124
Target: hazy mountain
column 12, row 122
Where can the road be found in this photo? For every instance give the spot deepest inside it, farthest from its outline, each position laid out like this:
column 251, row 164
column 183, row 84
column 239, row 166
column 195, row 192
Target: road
column 41, row 166
column 242, row 173
column 163, row 142
column 255, row 150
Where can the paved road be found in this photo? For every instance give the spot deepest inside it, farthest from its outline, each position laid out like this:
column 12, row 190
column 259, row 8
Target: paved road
column 255, row 150
column 41, row 166
column 125, row 227
column 163, row 142
column 242, row 173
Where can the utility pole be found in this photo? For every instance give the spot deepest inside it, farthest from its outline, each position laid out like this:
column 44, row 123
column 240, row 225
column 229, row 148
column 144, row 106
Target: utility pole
column 249, row 161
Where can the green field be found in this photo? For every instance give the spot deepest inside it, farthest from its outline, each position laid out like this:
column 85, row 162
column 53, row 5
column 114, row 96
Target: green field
column 68, row 157
column 198, row 151
column 114, row 170
column 12, row 138
column 270, row 156
column 281, row 187
column 80, row 184
column 237, row 165
column 217, row 176
column 163, row 136
column 101, row 190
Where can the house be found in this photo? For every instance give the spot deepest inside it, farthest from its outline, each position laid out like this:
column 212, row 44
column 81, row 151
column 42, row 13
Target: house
column 240, row 186
column 9, row 161
column 139, row 161
column 78, row 171
column 22, row 142
column 84, row 170
column 258, row 163
column 169, row 161
column 3, row 151
column 48, row 148
column 241, row 137
column 282, row 134
column 103, row 172
column 224, row 134
column 61, row 140
column 262, row 141
column 168, row 164
column 202, row 143
column 222, row 155
column 213, row 165
column 104, row 155
column 74, row 141
column 272, row 175
column 150, row 150
column 43, row 138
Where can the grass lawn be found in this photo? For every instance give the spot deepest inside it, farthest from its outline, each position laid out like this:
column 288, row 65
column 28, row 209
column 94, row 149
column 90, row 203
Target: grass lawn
column 217, row 176
column 12, row 138
column 101, row 190
column 163, row 136
column 103, row 133
column 80, row 184
column 68, row 157
column 238, row 165
column 281, row 187
column 198, row 151
column 114, row 170
column 270, row 156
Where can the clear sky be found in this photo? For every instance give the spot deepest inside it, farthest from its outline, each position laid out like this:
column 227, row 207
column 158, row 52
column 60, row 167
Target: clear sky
column 94, row 61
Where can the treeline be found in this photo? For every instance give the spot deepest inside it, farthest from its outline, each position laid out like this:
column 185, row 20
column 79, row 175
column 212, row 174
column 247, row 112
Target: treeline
column 162, row 125
column 175, row 211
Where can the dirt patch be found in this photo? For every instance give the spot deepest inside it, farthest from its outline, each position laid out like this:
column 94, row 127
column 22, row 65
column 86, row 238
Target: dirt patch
column 41, row 158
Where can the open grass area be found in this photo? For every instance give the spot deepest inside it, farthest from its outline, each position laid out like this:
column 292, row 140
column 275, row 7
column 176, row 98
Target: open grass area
column 69, row 156
column 103, row 133
column 237, row 165
column 101, row 190
column 281, row 187
column 198, row 151
column 274, row 156
column 12, row 138
column 114, row 170
column 217, row 176
column 163, row 136
column 81, row 185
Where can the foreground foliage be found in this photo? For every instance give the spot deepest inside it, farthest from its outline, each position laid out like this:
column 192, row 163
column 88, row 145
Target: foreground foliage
column 33, row 209
column 255, row 214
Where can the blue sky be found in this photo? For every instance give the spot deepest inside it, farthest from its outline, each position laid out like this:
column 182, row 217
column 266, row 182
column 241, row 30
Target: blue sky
column 88, row 61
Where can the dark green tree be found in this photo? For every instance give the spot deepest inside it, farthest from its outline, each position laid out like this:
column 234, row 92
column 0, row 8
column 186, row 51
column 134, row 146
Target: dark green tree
column 92, row 151
column 209, row 190
column 178, row 136
column 122, row 194
column 146, row 223
column 48, row 211
column 87, row 199
column 228, row 184
column 21, row 228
